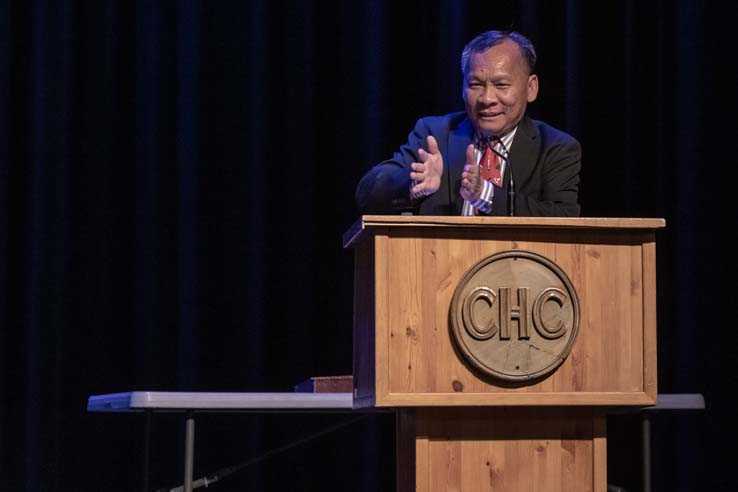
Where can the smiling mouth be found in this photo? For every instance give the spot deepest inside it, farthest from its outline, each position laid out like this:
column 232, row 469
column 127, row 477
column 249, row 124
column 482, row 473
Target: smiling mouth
column 489, row 115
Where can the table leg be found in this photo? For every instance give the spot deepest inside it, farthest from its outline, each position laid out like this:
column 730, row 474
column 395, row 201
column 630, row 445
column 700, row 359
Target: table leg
column 189, row 451
column 646, row 439
column 147, row 446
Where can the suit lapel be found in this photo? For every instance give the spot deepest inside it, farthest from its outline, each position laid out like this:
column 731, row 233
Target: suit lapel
column 523, row 153
column 458, row 140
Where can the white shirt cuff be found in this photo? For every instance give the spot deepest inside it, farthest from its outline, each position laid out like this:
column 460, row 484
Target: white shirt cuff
column 484, row 203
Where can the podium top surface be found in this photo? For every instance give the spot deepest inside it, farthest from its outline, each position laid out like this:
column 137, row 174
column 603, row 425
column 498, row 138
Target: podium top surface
column 367, row 222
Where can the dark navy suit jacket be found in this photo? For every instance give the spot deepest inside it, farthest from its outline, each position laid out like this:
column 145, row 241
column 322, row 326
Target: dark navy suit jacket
column 545, row 164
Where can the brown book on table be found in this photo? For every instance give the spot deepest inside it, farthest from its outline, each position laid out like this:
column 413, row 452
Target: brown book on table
column 326, row 384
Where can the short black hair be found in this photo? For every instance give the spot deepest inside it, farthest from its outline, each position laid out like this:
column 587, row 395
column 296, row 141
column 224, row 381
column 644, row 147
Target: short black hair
column 488, row 39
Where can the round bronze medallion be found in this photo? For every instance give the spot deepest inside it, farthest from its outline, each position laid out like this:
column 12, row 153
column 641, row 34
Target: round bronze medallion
column 515, row 316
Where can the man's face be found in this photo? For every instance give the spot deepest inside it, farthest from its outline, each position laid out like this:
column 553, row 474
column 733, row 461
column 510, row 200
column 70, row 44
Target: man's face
column 497, row 88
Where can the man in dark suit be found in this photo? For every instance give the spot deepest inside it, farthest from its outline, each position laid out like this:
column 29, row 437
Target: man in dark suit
column 438, row 171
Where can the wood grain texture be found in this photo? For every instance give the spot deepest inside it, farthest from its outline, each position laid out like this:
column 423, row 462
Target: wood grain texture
column 649, row 316
column 513, row 398
column 363, row 226
column 417, row 268
column 502, row 450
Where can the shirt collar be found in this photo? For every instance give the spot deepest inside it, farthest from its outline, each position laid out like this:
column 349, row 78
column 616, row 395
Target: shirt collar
column 507, row 139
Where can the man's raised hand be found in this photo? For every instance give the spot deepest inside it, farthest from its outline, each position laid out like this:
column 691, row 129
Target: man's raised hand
column 471, row 180
column 427, row 173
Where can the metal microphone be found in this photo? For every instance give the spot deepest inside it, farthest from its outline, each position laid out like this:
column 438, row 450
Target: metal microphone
column 511, row 185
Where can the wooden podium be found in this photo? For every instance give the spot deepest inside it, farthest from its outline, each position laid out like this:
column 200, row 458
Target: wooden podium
column 458, row 357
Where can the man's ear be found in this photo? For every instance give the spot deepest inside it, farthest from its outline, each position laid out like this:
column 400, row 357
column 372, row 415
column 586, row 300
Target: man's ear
column 532, row 87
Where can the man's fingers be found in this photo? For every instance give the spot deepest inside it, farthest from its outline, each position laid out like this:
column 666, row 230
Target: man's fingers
column 470, row 178
column 471, row 156
column 426, row 174
column 419, row 189
column 432, row 145
column 417, row 176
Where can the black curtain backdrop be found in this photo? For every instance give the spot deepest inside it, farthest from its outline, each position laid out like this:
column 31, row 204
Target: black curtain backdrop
column 175, row 178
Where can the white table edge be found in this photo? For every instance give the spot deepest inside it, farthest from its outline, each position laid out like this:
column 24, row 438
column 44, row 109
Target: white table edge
column 170, row 400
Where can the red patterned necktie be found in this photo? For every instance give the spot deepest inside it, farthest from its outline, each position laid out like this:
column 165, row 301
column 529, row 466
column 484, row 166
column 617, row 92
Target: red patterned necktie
column 490, row 164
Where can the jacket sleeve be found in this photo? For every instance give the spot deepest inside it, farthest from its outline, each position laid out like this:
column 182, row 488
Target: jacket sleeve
column 389, row 181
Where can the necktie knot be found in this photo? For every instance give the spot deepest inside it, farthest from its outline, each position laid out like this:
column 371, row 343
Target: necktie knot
column 485, row 142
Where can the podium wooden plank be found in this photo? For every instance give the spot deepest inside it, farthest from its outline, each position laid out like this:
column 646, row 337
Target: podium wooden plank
column 498, row 449
column 523, row 398
column 359, row 229
column 416, row 274
column 649, row 317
